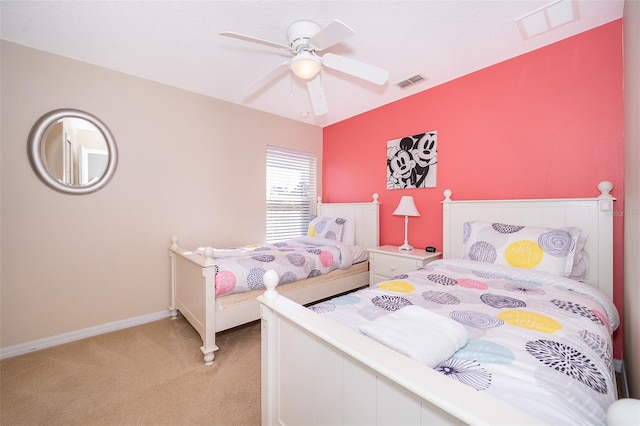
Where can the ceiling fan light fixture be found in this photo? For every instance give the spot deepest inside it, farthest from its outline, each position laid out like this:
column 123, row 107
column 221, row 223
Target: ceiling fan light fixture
column 305, row 65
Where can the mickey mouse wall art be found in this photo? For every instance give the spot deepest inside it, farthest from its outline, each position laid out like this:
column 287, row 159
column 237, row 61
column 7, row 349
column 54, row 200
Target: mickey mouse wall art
column 412, row 161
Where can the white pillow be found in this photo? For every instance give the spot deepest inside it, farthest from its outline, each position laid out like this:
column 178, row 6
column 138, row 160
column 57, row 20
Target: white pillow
column 349, row 230
column 326, row 227
column 543, row 249
column 580, row 270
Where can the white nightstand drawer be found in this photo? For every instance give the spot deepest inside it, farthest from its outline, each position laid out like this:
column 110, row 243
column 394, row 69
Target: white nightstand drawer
column 390, row 266
column 386, row 262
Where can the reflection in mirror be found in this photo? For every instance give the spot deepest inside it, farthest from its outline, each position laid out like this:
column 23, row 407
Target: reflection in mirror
column 72, row 151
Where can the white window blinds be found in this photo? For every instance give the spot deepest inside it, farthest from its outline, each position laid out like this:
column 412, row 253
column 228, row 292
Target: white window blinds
column 291, row 193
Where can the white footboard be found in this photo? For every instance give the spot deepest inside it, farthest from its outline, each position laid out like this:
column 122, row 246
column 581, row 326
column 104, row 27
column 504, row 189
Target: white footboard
column 317, row 371
column 193, row 294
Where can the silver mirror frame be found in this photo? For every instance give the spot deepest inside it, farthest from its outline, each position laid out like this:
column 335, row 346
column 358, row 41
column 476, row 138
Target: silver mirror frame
column 35, row 147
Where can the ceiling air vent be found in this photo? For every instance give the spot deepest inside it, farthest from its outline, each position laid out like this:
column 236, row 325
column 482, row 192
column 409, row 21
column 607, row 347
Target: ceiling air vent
column 411, row 80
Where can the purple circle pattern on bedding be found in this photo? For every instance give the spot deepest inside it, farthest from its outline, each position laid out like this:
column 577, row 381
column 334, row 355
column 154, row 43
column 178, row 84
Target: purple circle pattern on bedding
column 390, row 303
column 441, row 279
column 264, row 258
column 576, row 308
column 314, row 273
column 468, row 372
column 558, row 243
column 254, row 279
column 476, row 319
column 569, row 361
column 295, row 259
column 482, row 251
column 499, row 301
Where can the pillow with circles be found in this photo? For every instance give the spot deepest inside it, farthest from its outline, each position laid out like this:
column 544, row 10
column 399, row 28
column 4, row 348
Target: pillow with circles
column 542, row 249
column 326, row 227
column 580, row 270
column 349, row 230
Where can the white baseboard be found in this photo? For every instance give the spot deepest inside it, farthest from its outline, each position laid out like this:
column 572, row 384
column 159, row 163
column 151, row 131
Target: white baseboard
column 80, row 334
column 618, row 366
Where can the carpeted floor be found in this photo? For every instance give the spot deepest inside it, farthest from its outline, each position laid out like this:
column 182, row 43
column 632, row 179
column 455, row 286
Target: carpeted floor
column 152, row 374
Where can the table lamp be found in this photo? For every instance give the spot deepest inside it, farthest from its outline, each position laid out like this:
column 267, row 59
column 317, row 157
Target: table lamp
column 406, row 208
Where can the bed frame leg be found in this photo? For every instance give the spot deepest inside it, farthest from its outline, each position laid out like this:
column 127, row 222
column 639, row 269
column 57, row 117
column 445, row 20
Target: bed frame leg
column 208, row 356
column 173, row 312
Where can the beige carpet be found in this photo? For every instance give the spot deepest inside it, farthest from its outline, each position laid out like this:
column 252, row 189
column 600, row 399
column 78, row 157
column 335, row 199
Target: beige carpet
column 151, row 374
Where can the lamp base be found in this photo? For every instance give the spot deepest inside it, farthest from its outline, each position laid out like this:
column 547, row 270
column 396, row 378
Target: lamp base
column 405, row 246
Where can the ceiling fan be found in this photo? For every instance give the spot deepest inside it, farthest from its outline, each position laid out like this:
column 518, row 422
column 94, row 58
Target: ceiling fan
column 306, row 39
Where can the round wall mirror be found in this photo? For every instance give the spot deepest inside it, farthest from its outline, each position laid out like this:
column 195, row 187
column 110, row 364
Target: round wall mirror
column 72, row 151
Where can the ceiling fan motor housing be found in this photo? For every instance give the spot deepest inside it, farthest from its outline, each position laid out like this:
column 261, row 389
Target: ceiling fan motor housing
column 300, row 32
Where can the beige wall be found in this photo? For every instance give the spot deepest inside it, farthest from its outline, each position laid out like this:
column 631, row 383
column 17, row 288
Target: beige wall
column 631, row 25
column 189, row 165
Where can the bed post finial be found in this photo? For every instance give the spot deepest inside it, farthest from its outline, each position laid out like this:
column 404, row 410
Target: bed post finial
column 605, row 200
column 270, row 279
column 174, row 242
column 447, row 244
column 605, row 187
column 375, row 198
column 209, row 254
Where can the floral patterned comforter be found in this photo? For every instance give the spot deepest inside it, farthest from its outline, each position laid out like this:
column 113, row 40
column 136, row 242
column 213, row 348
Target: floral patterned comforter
column 538, row 341
column 241, row 269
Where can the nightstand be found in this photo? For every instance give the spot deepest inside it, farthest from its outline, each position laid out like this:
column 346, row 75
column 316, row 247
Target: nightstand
column 386, row 262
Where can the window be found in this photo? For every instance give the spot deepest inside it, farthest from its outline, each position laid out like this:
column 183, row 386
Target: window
column 291, row 193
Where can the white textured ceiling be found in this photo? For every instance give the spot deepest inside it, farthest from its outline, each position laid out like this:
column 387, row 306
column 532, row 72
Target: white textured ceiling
column 178, row 43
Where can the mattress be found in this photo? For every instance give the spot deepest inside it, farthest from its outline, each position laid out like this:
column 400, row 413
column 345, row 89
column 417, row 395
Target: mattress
column 241, row 269
column 234, row 299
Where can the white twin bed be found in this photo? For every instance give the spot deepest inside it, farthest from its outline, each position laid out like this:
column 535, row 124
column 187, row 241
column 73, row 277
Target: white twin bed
column 204, row 281
column 533, row 345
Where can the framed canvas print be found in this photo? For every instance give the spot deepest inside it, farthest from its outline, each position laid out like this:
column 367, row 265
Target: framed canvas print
column 412, row 161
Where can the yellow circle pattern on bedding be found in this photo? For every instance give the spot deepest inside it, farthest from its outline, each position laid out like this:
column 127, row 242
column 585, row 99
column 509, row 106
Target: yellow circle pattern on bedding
column 530, row 320
column 524, row 254
column 397, row 286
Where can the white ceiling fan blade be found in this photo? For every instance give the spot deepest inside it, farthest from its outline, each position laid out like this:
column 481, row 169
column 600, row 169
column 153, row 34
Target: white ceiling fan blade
column 356, row 68
column 316, row 96
column 333, row 33
column 270, row 75
column 255, row 40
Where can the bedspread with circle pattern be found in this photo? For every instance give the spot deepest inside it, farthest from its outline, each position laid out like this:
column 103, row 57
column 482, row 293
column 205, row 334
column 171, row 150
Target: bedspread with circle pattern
column 538, row 341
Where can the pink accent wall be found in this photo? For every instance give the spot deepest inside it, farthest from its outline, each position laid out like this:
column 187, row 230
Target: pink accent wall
column 546, row 124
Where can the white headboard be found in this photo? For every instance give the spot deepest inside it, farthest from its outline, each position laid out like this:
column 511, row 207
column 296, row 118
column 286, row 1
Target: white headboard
column 592, row 215
column 367, row 218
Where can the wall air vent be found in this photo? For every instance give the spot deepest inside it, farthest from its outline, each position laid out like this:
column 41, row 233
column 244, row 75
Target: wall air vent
column 411, row 80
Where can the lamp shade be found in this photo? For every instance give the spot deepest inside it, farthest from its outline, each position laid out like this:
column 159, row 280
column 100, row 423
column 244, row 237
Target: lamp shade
column 305, row 65
column 406, row 207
